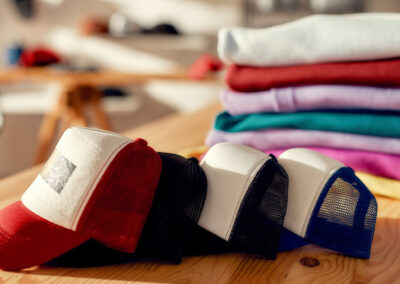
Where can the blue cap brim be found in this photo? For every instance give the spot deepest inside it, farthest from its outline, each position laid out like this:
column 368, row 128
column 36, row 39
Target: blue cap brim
column 290, row 241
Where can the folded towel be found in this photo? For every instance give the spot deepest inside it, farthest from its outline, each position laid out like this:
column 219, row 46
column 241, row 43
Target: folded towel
column 288, row 138
column 311, row 97
column 371, row 73
column 314, row 39
column 379, row 164
column 353, row 121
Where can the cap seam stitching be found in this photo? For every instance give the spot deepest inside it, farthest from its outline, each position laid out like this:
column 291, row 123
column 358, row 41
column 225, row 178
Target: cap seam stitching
column 91, row 189
column 314, row 201
column 247, row 184
column 98, row 130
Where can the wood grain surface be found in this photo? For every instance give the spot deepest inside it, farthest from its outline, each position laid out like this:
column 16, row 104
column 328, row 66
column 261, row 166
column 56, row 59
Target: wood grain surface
column 97, row 78
column 45, row 74
column 309, row 264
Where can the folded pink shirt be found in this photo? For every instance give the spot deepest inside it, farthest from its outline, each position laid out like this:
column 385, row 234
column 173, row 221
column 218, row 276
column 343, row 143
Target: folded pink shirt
column 290, row 99
column 379, row 164
column 288, row 138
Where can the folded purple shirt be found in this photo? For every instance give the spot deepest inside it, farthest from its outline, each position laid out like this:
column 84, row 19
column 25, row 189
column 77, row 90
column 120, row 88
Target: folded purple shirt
column 288, row 138
column 310, row 97
column 379, row 164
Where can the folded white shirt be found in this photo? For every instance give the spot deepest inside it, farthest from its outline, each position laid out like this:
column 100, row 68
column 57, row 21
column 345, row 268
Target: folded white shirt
column 313, row 39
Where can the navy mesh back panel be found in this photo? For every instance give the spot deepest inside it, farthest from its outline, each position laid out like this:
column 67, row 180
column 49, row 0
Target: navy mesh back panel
column 289, row 241
column 344, row 216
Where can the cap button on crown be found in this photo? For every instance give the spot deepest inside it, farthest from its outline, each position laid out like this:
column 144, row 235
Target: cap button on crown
column 141, row 141
column 193, row 160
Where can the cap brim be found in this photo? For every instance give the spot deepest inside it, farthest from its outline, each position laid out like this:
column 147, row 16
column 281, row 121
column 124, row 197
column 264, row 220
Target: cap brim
column 289, row 241
column 27, row 240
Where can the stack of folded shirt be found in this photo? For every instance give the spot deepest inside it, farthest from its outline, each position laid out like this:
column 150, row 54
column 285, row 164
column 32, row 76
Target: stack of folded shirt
column 325, row 82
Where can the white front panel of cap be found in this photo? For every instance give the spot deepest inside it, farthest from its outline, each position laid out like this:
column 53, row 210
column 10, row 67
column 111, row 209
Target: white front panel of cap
column 63, row 187
column 230, row 168
column 308, row 172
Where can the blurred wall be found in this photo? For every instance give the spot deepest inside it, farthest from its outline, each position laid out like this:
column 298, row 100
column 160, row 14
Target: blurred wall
column 189, row 16
column 48, row 16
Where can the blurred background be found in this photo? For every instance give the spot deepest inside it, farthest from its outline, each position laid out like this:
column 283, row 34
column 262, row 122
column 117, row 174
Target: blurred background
column 151, row 37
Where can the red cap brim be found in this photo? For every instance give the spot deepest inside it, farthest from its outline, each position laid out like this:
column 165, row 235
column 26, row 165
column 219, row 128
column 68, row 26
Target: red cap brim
column 27, row 240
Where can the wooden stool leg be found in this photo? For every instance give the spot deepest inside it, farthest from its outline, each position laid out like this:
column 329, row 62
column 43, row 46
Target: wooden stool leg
column 71, row 118
column 47, row 130
column 100, row 116
column 75, row 109
column 70, row 109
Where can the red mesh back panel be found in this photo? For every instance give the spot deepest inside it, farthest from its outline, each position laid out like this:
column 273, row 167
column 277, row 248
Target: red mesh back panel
column 116, row 212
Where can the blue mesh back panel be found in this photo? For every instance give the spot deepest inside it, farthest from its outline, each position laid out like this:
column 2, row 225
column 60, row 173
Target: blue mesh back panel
column 344, row 216
column 289, row 241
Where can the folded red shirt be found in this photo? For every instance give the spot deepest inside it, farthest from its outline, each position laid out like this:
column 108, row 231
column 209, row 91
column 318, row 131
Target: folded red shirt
column 374, row 73
column 205, row 64
column 39, row 57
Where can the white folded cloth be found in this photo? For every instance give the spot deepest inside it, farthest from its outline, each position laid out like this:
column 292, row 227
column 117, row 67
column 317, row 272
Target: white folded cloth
column 313, row 39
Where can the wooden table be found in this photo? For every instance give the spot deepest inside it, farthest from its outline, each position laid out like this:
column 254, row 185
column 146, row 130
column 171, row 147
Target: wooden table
column 79, row 91
column 309, row 264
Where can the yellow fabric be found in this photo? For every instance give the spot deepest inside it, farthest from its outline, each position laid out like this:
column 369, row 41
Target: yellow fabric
column 379, row 185
column 196, row 152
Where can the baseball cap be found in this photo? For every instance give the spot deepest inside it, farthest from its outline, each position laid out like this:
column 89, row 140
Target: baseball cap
column 328, row 205
column 90, row 254
column 176, row 208
column 204, row 242
column 170, row 225
column 246, row 198
column 96, row 184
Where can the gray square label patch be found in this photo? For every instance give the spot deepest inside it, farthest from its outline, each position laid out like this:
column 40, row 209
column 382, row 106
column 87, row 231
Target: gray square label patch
column 57, row 171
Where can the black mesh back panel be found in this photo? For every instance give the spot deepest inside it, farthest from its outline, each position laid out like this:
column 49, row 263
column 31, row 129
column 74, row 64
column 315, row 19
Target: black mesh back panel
column 344, row 216
column 204, row 242
column 92, row 253
column 259, row 221
column 176, row 209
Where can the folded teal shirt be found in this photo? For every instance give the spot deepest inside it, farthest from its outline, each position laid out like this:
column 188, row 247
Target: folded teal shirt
column 366, row 123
